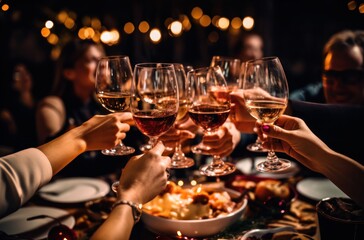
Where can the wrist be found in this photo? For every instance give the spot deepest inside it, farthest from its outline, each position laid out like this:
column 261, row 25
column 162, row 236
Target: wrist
column 137, row 208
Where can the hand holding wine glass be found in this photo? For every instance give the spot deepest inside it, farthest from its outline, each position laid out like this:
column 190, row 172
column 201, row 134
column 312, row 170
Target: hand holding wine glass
column 265, row 91
column 113, row 81
column 209, row 109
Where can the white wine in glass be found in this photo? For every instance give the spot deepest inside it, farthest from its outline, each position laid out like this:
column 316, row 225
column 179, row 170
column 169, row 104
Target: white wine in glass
column 114, row 76
column 265, row 91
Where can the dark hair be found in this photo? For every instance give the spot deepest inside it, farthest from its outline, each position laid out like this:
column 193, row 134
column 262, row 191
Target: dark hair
column 344, row 40
column 71, row 52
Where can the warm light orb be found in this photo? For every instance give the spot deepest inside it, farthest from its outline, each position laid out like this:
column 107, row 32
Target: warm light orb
column 351, row 5
column 176, row 28
column 205, row 21
column 361, row 8
column 193, row 183
column 5, row 7
column 196, row 13
column 248, row 23
column 236, row 23
column 110, row 37
column 129, row 28
column 53, row 39
column 180, row 183
column 45, row 32
column 49, row 24
column 223, row 23
column 143, row 26
column 155, row 35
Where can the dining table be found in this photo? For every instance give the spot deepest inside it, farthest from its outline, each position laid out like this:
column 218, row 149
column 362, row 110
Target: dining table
column 301, row 214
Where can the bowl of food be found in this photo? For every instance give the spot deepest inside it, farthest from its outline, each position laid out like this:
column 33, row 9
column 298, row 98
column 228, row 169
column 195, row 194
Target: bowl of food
column 197, row 211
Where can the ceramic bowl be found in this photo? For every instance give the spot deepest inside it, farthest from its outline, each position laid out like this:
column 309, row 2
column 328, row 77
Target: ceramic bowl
column 195, row 228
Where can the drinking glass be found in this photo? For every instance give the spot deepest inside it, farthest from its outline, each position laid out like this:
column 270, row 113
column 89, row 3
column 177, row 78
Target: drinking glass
column 209, row 110
column 154, row 101
column 230, row 67
column 185, row 90
column 256, row 146
column 265, row 91
column 114, row 76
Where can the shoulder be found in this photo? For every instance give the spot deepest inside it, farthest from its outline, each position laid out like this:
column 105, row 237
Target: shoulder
column 311, row 92
column 52, row 103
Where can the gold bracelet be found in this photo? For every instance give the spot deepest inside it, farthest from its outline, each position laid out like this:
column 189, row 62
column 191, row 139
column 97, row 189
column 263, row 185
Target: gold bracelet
column 137, row 209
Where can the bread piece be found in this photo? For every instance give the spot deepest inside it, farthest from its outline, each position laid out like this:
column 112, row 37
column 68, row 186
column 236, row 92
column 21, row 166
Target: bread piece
column 267, row 189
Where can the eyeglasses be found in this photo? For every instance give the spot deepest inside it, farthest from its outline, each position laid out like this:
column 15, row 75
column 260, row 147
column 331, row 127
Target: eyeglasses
column 346, row 77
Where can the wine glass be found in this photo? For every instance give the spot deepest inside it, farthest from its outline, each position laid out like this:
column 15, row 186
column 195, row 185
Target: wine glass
column 113, row 89
column 209, row 110
column 265, row 91
column 256, row 146
column 154, row 101
column 230, row 67
column 185, row 90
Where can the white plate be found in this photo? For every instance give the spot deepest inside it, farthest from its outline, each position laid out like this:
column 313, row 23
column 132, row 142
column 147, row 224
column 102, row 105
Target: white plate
column 74, row 190
column 318, row 188
column 16, row 222
column 245, row 166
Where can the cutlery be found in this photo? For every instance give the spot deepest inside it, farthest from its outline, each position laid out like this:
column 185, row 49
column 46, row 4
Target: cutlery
column 259, row 233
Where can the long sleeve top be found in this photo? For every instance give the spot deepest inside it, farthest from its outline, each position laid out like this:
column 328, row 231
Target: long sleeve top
column 21, row 175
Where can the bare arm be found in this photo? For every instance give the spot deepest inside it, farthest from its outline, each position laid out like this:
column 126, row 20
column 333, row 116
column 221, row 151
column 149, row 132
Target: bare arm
column 141, row 180
column 298, row 141
column 101, row 131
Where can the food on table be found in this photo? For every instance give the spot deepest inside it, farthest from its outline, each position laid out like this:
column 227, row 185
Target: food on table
column 270, row 188
column 190, row 203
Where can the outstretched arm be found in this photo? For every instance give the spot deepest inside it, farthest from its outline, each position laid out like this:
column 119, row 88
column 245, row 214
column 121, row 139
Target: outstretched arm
column 293, row 137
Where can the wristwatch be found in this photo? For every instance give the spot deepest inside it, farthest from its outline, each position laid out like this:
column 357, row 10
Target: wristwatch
column 137, row 209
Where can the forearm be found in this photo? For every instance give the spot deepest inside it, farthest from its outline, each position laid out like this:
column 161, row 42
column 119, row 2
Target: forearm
column 117, row 226
column 345, row 173
column 64, row 149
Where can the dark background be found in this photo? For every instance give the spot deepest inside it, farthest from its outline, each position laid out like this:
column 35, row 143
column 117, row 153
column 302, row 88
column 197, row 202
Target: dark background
column 295, row 31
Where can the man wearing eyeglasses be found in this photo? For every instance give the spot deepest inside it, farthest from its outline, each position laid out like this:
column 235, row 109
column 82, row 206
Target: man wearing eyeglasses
column 343, row 72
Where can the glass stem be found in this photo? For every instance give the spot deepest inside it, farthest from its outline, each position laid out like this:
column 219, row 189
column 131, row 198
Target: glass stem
column 153, row 141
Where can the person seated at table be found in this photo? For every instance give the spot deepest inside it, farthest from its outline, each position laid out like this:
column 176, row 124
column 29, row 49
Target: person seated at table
column 72, row 102
column 24, row 172
column 342, row 79
column 292, row 136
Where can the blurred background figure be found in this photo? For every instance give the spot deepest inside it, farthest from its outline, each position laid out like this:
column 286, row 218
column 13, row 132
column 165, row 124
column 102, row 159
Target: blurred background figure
column 17, row 113
column 252, row 47
column 343, row 72
column 72, row 102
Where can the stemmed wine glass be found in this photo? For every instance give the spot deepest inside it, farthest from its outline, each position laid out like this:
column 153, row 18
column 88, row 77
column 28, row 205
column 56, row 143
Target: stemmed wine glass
column 185, row 90
column 265, row 91
column 230, row 67
column 209, row 109
column 114, row 76
column 256, row 146
column 155, row 99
